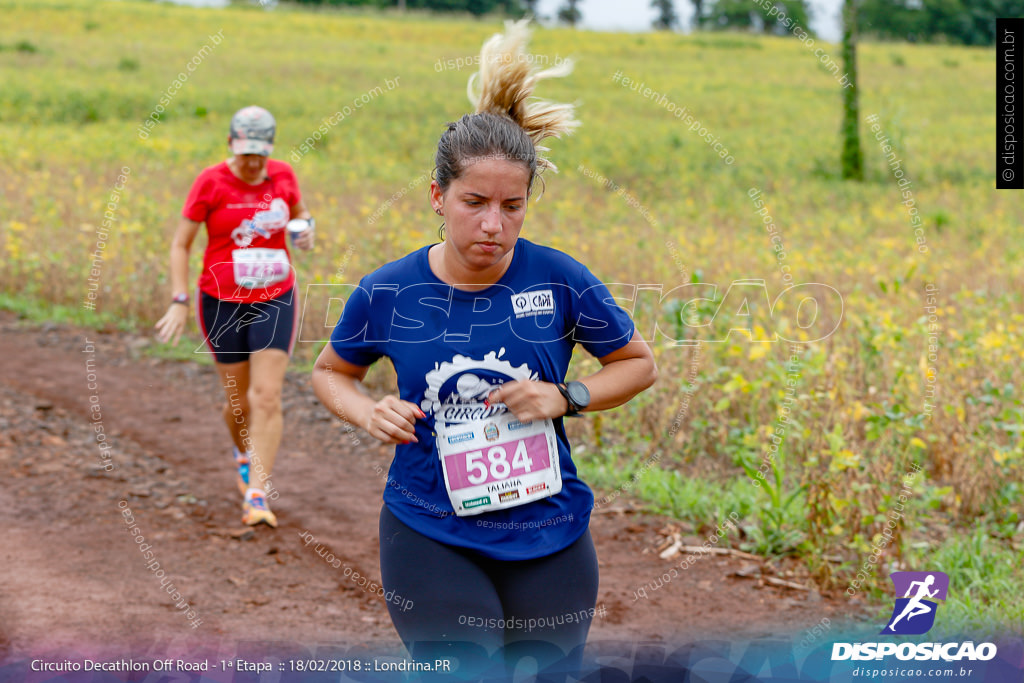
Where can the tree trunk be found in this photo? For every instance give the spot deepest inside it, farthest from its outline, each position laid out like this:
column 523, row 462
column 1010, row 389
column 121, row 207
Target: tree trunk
column 852, row 158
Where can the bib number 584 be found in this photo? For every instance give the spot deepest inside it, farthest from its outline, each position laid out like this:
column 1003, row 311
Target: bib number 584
column 496, row 463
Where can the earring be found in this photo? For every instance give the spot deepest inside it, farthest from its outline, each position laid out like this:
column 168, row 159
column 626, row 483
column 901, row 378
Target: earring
column 440, row 232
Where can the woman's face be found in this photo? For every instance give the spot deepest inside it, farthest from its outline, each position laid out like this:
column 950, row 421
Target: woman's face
column 483, row 210
column 250, row 167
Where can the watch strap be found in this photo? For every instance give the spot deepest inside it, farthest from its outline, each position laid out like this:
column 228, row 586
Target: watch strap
column 573, row 409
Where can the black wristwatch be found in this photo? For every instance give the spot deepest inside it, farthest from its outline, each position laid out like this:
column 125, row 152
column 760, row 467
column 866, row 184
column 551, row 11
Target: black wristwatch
column 577, row 395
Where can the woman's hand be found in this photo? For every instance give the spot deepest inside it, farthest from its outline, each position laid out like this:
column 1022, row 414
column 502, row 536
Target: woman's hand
column 172, row 324
column 393, row 420
column 305, row 240
column 530, row 400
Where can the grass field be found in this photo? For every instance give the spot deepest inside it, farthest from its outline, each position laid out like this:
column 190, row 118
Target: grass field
column 922, row 370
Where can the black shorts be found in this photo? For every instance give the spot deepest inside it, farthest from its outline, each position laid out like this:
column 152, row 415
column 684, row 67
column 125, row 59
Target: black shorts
column 233, row 331
column 448, row 602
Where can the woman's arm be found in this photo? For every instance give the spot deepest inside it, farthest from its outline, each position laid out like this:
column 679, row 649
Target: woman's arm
column 336, row 382
column 624, row 374
column 172, row 324
column 300, row 210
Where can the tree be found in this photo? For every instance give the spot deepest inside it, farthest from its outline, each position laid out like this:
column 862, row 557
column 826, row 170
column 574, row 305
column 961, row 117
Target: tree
column 732, row 14
column 569, row 13
column 475, row 7
column 698, row 14
column 667, row 18
column 852, row 158
column 962, row 22
column 751, row 15
column 531, row 7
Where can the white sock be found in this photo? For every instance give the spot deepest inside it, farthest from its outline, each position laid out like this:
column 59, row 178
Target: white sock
column 254, row 492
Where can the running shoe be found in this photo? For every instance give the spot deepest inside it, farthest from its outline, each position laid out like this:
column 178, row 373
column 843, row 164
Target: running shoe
column 242, row 463
column 255, row 511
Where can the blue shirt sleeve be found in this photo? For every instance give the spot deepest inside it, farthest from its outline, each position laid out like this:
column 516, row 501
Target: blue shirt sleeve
column 353, row 337
column 600, row 325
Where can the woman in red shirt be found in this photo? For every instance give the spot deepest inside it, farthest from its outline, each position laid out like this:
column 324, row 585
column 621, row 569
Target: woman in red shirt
column 246, row 307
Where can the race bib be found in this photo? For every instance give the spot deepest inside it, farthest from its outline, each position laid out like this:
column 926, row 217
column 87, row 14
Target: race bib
column 260, row 268
column 497, row 463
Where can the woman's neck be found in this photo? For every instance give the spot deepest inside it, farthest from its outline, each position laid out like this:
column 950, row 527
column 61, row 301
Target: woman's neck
column 234, row 171
column 444, row 263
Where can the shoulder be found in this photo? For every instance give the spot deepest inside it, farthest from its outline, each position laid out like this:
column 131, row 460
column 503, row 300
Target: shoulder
column 277, row 167
column 402, row 271
column 212, row 174
column 550, row 260
column 209, row 183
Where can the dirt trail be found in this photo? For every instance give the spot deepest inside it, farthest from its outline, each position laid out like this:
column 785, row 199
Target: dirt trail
column 74, row 582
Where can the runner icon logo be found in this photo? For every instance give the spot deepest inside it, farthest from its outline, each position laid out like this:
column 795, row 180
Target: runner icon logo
column 918, row 597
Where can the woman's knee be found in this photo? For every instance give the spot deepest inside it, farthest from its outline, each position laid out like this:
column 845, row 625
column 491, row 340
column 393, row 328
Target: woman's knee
column 265, row 397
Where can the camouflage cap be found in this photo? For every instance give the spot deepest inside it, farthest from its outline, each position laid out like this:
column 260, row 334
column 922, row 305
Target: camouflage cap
column 252, row 131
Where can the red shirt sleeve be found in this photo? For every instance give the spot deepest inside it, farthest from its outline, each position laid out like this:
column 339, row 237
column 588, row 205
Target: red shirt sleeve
column 200, row 198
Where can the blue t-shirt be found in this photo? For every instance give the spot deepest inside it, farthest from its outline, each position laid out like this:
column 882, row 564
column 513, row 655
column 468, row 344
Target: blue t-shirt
column 450, row 347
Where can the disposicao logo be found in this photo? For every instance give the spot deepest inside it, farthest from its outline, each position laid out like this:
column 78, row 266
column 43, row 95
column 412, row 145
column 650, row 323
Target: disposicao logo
column 914, row 613
column 917, row 600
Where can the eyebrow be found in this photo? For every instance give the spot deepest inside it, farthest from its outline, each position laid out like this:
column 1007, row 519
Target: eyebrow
column 481, row 196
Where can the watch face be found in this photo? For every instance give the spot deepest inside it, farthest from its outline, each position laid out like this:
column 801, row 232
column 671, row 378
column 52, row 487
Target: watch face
column 578, row 394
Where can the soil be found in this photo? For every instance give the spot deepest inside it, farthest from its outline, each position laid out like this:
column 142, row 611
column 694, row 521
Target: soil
column 73, row 581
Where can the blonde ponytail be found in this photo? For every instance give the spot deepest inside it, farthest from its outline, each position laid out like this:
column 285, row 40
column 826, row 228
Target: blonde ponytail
column 509, row 122
column 505, row 83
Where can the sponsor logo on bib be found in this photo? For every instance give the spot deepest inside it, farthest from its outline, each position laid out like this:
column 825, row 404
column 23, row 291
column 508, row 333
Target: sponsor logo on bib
column 535, row 488
column 508, row 495
column 459, row 438
column 491, row 431
column 477, row 502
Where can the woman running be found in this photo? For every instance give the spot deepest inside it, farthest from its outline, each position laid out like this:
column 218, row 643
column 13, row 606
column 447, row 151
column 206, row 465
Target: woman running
column 246, row 306
column 484, row 528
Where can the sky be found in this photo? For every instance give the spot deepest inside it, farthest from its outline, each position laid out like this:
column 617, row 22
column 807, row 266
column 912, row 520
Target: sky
column 636, row 15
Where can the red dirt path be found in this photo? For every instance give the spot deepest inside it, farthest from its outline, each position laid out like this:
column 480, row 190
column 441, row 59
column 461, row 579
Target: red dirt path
column 73, row 581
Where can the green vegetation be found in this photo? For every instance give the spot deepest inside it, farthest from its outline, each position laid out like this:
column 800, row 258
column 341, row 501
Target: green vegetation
column 833, row 425
column 960, row 22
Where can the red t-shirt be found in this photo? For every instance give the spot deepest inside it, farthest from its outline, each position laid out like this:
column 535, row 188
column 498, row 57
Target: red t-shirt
column 247, row 258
